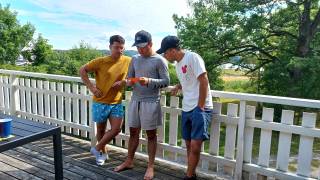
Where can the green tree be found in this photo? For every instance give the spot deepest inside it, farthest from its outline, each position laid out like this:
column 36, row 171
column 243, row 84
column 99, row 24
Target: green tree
column 41, row 50
column 57, row 63
column 281, row 38
column 173, row 75
column 13, row 36
column 27, row 55
column 84, row 53
column 78, row 56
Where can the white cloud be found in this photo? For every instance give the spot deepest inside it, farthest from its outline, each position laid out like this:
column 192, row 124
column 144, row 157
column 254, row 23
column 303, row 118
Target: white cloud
column 129, row 16
column 94, row 21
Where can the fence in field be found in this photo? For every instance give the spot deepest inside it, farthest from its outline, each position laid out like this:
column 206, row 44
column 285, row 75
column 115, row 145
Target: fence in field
column 242, row 139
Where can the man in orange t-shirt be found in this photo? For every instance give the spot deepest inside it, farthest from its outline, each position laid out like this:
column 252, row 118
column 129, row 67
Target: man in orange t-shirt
column 106, row 96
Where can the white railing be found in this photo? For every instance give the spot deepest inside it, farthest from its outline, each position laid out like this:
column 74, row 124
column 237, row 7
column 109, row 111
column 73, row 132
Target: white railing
column 64, row 101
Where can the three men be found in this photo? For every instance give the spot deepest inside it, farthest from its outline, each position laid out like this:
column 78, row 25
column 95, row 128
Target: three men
column 150, row 73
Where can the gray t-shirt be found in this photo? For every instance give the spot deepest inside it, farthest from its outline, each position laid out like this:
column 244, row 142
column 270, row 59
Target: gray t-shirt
column 155, row 68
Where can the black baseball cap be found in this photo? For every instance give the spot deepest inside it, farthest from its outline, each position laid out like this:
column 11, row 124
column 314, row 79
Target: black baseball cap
column 142, row 38
column 169, row 42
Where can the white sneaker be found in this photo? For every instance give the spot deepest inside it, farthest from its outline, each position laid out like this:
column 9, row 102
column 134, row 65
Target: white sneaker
column 100, row 157
column 97, row 154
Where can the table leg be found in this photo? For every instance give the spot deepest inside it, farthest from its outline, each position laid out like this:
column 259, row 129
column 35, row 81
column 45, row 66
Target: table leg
column 58, row 166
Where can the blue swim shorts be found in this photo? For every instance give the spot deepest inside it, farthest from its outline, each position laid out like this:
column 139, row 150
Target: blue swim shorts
column 101, row 112
column 195, row 124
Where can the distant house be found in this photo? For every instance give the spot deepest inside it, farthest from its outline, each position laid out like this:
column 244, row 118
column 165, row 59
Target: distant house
column 229, row 66
column 21, row 61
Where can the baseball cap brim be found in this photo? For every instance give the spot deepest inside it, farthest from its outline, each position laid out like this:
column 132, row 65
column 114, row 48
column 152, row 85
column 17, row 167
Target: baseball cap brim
column 140, row 44
column 160, row 51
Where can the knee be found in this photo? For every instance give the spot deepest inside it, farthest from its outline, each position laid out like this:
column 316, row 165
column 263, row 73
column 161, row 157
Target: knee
column 188, row 146
column 100, row 132
column 195, row 149
column 134, row 134
column 151, row 136
column 115, row 131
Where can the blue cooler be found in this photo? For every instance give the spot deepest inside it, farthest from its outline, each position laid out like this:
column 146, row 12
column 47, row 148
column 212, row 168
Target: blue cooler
column 5, row 128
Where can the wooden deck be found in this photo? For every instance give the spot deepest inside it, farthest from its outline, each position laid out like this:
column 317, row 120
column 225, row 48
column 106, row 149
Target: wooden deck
column 35, row 161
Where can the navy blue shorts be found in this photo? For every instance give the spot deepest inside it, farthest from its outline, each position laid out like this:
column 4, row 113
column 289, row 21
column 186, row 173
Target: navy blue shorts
column 195, row 124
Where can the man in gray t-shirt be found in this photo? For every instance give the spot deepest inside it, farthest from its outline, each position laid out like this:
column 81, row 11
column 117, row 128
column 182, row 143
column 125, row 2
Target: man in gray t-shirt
column 150, row 70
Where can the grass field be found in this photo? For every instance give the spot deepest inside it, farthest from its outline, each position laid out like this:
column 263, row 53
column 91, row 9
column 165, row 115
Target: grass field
column 227, row 78
column 236, row 81
column 232, row 72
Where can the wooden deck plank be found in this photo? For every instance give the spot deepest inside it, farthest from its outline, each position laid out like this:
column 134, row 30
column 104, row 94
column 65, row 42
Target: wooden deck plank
column 140, row 164
column 71, row 171
column 91, row 167
column 80, row 164
column 116, row 158
column 4, row 176
column 37, row 161
column 17, row 163
column 71, row 150
column 162, row 171
column 17, row 173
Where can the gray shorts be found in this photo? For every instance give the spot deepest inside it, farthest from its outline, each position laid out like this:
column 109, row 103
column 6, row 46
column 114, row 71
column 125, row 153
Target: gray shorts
column 144, row 115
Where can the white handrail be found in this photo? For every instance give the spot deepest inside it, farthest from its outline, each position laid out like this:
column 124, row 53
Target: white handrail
column 42, row 75
column 11, row 91
column 310, row 103
column 222, row 94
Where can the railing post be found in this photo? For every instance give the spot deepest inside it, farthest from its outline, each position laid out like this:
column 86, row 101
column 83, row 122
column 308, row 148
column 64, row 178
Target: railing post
column 2, row 107
column 215, row 133
column 92, row 125
column 230, row 141
column 240, row 140
column 14, row 99
column 173, row 126
column 305, row 146
column 161, row 129
column 127, row 129
column 248, row 142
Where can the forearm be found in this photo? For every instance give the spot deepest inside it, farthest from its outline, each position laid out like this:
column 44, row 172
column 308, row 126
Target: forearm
column 163, row 80
column 203, row 89
column 158, row 83
column 203, row 92
column 85, row 79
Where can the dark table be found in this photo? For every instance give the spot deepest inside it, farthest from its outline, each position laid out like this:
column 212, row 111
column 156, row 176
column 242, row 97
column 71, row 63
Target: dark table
column 26, row 131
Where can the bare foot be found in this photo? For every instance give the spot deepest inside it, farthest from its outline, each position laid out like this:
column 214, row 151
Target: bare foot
column 149, row 173
column 124, row 166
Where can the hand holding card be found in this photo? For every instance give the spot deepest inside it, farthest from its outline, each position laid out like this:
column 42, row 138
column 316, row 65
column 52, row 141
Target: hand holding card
column 133, row 80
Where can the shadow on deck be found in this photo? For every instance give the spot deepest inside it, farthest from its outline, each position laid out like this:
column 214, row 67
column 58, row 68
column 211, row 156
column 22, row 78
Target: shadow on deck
column 35, row 161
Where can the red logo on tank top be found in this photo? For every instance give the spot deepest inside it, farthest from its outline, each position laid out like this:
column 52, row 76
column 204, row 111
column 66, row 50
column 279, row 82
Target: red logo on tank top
column 184, row 69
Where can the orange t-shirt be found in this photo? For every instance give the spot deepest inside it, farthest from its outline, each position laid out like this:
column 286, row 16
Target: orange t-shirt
column 108, row 71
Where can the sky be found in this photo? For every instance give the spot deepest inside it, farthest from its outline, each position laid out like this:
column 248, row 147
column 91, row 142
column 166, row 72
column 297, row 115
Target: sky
column 66, row 23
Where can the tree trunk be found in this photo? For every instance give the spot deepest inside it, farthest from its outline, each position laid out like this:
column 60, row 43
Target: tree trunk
column 304, row 38
column 304, row 45
column 307, row 29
